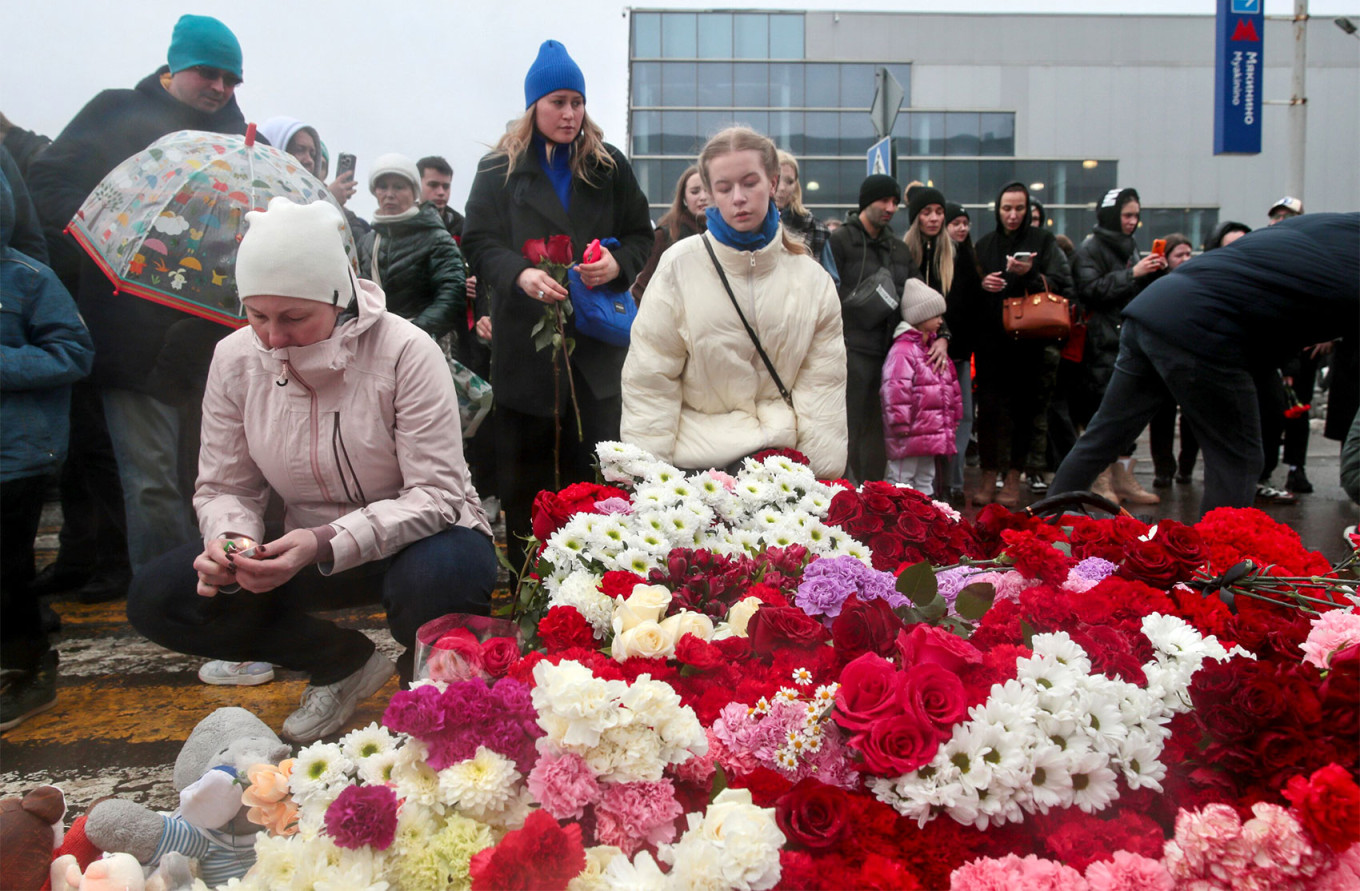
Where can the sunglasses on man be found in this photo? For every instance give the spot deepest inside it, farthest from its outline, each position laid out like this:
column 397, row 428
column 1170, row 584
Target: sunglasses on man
column 210, row 74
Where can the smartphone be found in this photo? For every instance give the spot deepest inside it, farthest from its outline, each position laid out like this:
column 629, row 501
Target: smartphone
column 344, row 164
column 1023, row 255
column 1159, row 247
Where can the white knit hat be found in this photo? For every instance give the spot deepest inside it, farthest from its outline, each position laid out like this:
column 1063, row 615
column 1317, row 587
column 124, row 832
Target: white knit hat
column 920, row 302
column 392, row 162
column 295, row 250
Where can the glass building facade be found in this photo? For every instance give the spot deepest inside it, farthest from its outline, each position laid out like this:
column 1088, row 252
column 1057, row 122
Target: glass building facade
column 694, row 73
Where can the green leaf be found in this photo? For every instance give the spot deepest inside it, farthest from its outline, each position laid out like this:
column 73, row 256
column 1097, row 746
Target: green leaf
column 917, row 583
column 719, row 781
column 935, row 610
column 975, row 599
column 1064, row 547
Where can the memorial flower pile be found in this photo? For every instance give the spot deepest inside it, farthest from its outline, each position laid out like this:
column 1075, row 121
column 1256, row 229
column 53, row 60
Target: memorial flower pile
column 764, row 680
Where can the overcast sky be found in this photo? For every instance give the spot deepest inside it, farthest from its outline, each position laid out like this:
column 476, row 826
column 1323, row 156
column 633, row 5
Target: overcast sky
column 435, row 77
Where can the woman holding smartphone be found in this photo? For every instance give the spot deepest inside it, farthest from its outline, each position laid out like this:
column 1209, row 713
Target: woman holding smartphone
column 551, row 174
column 1015, row 378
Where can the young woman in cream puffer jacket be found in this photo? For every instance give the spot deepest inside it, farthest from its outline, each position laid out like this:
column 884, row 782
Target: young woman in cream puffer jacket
column 695, row 391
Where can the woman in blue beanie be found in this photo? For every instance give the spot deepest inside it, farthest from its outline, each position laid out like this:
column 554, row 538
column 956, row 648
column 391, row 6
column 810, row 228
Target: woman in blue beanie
column 551, row 174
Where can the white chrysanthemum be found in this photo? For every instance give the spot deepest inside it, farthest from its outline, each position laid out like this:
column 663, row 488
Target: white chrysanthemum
column 1093, row 782
column 566, row 545
column 1173, row 636
column 1060, row 646
column 480, row 787
column 1050, row 780
column 653, row 496
column 1138, row 758
column 276, row 860
column 345, row 869
column 367, row 742
column 651, row 541
column 635, row 560
column 317, row 768
column 376, row 770
column 753, row 493
column 414, row 779
column 1011, row 706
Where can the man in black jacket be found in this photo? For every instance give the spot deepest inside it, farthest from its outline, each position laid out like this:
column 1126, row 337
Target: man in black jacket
column 1199, row 333
column 861, row 247
column 1110, row 272
column 151, row 361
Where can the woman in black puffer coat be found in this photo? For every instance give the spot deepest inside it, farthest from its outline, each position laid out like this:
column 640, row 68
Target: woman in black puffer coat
column 410, row 254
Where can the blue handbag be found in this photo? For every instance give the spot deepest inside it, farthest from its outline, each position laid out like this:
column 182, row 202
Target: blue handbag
column 602, row 313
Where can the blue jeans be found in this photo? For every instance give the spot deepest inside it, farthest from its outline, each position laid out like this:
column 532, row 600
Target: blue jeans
column 450, row 572
column 1217, row 399
column 957, row 461
column 146, row 443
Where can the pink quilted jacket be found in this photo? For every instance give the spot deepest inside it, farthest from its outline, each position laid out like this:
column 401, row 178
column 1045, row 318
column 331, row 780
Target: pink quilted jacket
column 921, row 406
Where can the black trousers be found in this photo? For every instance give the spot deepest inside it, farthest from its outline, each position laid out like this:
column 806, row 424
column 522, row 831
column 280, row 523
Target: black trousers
column 22, row 641
column 450, row 572
column 864, row 416
column 524, row 460
column 1015, row 381
column 1296, row 430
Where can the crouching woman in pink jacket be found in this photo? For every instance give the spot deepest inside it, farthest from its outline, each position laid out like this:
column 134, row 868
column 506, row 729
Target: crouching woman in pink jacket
column 352, row 422
column 921, row 405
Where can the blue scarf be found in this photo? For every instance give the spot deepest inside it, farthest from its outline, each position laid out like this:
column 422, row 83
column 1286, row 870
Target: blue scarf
column 744, row 241
column 558, row 169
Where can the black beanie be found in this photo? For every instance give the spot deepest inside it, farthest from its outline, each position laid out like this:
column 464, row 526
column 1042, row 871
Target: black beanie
column 876, row 187
column 953, row 211
column 921, row 198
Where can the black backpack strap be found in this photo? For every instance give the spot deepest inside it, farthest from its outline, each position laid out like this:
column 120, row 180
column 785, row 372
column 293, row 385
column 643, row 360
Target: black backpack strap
column 769, row 366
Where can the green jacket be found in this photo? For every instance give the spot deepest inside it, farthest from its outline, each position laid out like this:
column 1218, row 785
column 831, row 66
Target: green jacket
column 420, row 269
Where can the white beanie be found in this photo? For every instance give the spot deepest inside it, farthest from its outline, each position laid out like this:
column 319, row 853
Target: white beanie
column 920, row 302
column 295, row 250
column 392, row 162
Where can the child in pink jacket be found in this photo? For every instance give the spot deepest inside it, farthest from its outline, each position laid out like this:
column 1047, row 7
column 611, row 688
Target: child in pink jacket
column 921, row 405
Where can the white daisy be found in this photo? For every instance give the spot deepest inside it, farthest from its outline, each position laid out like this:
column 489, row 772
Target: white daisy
column 318, row 767
column 367, row 742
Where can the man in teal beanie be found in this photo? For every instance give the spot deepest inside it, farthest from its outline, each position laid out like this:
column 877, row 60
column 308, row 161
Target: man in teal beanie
column 553, row 70
column 151, row 361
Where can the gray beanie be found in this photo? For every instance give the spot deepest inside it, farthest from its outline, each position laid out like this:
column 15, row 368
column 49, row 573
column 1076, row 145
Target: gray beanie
column 920, row 302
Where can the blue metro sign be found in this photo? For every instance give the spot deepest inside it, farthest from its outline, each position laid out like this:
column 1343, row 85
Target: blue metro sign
column 1239, row 74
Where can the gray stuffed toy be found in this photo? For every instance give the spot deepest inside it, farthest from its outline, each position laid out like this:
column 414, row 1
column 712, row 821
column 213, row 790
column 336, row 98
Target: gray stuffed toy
column 210, row 825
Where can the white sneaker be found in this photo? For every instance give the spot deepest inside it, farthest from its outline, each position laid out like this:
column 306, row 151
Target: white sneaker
column 324, row 710
column 221, row 673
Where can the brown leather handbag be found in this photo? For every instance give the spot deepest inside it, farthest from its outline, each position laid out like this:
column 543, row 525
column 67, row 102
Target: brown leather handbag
column 1042, row 315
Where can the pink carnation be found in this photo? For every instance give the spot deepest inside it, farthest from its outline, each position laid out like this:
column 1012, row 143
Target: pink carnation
column 630, row 815
column 1128, row 872
column 1012, row 873
column 1344, row 873
column 564, row 785
column 1332, row 631
column 1271, row 850
column 698, row 769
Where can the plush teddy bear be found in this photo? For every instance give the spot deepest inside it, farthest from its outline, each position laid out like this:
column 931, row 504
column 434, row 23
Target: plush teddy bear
column 30, row 829
column 122, row 872
column 210, row 825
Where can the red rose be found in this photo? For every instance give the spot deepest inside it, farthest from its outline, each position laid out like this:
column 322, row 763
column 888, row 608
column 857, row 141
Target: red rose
column 1183, row 543
column 910, row 528
column 563, row 627
column 773, row 627
column 865, row 627
column 937, row 694
column 551, row 510
column 699, row 653
column 1148, row 561
column 498, row 654
column 456, row 656
column 559, row 250
column 813, row 814
column 535, row 250
column 868, row 692
column 896, row 745
column 1328, row 803
column 889, row 550
column 928, row 645
column 548, row 514
column 845, row 509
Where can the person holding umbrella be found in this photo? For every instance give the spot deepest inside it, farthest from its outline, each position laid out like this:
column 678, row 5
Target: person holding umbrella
column 150, row 360
column 348, row 414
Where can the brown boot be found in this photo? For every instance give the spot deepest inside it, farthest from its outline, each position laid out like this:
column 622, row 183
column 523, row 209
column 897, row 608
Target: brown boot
column 1009, row 496
column 1104, row 486
column 1129, row 488
column 986, row 491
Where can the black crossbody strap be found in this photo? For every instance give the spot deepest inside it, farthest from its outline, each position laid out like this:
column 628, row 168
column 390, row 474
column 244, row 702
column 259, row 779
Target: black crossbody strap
column 769, row 366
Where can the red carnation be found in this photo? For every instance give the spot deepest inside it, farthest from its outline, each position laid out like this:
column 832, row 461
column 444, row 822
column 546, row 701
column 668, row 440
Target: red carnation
column 563, row 627
column 541, row 855
column 1328, row 803
column 618, row 583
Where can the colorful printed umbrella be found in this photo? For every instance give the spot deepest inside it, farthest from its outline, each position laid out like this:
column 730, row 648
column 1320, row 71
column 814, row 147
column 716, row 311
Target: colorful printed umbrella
column 165, row 224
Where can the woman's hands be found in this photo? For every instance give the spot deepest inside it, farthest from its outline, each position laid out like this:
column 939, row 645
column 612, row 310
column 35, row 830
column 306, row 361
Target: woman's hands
column 603, row 270
column 342, row 188
column 272, row 564
column 993, row 282
column 541, row 287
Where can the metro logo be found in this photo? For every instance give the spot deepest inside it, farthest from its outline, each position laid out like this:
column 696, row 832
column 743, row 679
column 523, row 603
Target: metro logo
column 1245, row 32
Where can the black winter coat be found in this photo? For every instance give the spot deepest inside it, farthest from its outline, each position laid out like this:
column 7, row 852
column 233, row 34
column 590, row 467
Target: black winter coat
column 858, row 256
column 501, row 217
column 1263, row 297
column 1103, row 269
column 421, row 271
column 965, row 303
column 1050, row 264
column 139, row 345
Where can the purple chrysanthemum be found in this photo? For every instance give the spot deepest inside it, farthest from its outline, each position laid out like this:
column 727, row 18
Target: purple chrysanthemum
column 363, row 815
column 1094, row 569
